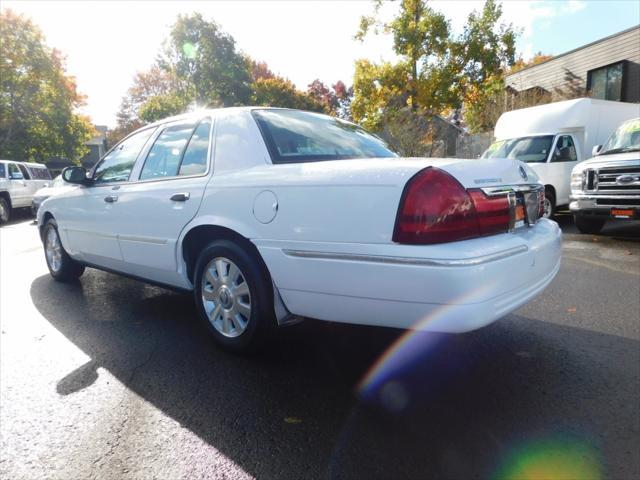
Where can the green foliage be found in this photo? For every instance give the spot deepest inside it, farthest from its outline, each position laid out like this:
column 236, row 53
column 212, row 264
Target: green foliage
column 37, row 98
column 161, row 106
column 204, row 61
column 279, row 92
column 437, row 71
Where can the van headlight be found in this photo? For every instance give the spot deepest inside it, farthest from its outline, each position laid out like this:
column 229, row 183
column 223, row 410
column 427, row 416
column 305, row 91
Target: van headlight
column 577, row 182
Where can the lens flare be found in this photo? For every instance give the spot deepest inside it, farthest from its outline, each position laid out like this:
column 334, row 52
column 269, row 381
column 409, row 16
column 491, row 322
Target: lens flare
column 189, row 50
column 413, row 344
column 554, row 459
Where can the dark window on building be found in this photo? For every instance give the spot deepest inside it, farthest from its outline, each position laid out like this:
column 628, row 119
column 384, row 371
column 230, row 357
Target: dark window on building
column 606, row 83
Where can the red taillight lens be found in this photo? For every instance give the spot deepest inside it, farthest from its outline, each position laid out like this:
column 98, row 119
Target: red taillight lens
column 436, row 208
column 493, row 212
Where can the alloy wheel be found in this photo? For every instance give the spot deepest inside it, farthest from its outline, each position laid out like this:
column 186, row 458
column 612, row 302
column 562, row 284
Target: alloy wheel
column 225, row 297
column 53, row 249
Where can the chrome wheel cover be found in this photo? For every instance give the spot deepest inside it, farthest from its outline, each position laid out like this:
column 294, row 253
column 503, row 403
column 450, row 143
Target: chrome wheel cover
column 53, row 249
column 225, row 297
column 547, row 208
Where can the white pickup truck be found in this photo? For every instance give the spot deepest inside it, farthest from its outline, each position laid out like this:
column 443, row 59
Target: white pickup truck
column 553, row 138
column 19, row 181
column 608, row 185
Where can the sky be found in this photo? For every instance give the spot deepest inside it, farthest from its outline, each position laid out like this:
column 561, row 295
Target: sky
column 107, row 42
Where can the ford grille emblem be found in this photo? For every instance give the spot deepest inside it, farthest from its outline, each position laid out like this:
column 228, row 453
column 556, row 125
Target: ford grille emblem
column 625, row 179
column 523, row 172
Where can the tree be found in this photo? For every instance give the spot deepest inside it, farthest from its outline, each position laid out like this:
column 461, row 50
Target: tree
column 205, row 64
column 38, row 99
column 421, row 39
column 335, row 100
column 280, row 92
column 437, row 70
column 521, row 64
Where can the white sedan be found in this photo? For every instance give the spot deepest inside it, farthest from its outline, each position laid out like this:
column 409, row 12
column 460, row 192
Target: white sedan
column 271, row 215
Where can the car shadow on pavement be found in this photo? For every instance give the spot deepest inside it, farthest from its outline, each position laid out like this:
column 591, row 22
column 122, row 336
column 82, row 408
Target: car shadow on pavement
column 433, row 406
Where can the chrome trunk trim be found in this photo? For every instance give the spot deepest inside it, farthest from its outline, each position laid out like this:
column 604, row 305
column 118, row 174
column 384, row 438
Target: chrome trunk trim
column 411, row 261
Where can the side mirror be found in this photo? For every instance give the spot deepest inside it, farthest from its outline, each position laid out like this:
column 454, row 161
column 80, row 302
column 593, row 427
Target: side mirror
column 75, row 175
column 596, row 150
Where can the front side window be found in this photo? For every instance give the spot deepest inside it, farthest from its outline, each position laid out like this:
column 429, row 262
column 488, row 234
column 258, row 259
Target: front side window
column 293, row 136
column 179, row 150
column 606, row 83
column 3, row 171
column 565, row 150
column 166, row 153
column 118, row 163
column 14, row 172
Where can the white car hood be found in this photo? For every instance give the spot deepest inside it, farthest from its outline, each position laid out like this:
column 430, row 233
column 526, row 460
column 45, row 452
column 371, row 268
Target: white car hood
column 616, row 159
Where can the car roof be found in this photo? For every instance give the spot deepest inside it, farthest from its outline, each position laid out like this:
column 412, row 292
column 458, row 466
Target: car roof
column 28, row 164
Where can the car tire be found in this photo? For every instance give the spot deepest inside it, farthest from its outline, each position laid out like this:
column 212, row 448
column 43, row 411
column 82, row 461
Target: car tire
column 588, row 225
column 5, row 211
column 234, row 296
column 61, row 266
column 549, row 203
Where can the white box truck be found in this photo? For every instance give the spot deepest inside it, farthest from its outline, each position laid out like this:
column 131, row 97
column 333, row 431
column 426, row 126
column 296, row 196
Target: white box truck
column 555, row 137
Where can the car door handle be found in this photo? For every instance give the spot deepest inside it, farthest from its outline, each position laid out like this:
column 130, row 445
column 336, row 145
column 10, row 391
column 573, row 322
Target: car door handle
column 111, row 198
column 180, row 197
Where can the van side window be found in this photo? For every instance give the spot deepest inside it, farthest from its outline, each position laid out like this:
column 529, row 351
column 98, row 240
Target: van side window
column 565, row 150
column 25, row 172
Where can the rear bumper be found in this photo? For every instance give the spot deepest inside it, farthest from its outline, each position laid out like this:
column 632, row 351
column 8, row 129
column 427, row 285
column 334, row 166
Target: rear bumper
column 453, row 287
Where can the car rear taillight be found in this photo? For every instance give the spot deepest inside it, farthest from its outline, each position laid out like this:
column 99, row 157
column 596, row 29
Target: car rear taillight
column 436, row 208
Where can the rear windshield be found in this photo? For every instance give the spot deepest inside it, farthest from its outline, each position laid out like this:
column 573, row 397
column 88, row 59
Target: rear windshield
column 293, row 136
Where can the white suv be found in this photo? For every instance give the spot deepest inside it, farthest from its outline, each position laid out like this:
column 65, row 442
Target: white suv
column 18, row 182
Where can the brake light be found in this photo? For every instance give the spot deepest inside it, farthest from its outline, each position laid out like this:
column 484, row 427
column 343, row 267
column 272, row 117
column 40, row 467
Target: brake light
column 436, row 208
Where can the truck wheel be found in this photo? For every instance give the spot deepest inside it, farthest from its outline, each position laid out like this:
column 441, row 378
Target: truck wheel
column 5, row 211
column 549, row 203
column 233, row 296
column 61, row 266
column 588, row 225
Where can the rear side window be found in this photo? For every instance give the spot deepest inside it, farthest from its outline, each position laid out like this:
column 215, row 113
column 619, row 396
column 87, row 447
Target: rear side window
column 194, row 161
column 118, row 163
column 39, row 173
column 293, row 136
column 24, row 172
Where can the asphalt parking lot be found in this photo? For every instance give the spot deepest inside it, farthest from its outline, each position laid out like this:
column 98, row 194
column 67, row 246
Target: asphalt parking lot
column 111, row 378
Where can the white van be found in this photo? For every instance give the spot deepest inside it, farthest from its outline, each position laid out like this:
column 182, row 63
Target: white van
column 553, row 138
